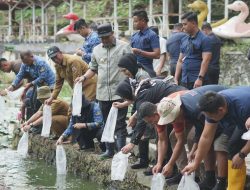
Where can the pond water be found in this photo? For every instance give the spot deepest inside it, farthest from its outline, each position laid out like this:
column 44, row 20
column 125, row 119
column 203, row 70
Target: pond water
column 18, row 173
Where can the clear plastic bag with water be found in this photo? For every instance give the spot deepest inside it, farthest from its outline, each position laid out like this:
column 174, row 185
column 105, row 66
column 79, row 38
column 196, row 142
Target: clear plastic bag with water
column 109, row 129
column 16, row 94
column 119, row 166
column 158, row 182
column 187, row 183
column 77, row 99
column 246, row 135
column 47, row 120
column 61, row 161
column 23, row 145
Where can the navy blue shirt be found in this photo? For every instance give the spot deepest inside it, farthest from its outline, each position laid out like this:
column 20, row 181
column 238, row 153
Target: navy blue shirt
column 146, row 40
column 192, row 49
column 173, row 46
column 238, row 105
column 191, row 109
column 216, row 45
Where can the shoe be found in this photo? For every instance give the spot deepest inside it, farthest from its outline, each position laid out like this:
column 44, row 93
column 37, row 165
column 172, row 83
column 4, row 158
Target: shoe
column 221, row 184
column 174, row 180
column 139, row 165
column 87, row 149
column 148, row 172
column 105, row 156
column 205, row 185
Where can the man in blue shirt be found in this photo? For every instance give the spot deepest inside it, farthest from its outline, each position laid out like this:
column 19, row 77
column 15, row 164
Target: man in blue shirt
column 86, row 127
column 91, row 40
column 145, row 43
column 173, row 46
column 213, row 71
column 229, row 107
column 195, row 54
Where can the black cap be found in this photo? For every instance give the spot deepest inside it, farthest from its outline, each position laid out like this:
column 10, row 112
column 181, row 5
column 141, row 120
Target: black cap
column 104, row 30
column 129, row 62
column 52, row 51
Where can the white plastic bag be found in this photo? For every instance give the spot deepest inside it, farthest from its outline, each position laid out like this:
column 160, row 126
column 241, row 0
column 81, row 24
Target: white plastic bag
column 15, row 94
column 119, row 166
column 187, row 183
column 23, row 145
column 109, row 129
column 77, row 99
column 2, row 109
column 61, row 161
column 47, row 120
column 246, row 135
column 158, row 182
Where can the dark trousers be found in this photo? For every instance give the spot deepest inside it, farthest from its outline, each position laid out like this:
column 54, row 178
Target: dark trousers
column 213, row 75
column 85, row 137
column 120, row 128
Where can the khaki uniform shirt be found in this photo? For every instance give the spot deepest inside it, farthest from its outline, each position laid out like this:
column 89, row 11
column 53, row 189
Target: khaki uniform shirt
column 104, row 61
column 15, row 66
column 72, row 67
column 58, row 107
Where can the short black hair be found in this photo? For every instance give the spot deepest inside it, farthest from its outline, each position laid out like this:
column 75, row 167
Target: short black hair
column 155, row 29
column 147, row 109
column 206, row 25
column 190, row 16
column 80, row 23
column 178, row 26
column 211, row 101
column 141, row 14
column 2, row 60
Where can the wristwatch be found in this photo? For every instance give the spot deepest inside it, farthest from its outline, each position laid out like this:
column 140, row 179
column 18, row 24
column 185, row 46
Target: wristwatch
column 242, row 155
column 31, row 125
column 201, row 77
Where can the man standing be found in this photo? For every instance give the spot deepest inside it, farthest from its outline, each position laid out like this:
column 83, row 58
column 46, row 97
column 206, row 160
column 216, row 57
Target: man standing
column 173, row 46
column 145, row 43
column 160, row 65
column 69, row 67
column 195, row 54
column 213, row 71
column 91, row 40
column 104, row 62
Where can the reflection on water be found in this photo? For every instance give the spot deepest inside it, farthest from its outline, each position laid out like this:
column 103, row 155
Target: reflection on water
column 26, row 174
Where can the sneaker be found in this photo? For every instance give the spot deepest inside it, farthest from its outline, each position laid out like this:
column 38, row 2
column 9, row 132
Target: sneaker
column 139, row 165
column 206, row 185
column 174, row 180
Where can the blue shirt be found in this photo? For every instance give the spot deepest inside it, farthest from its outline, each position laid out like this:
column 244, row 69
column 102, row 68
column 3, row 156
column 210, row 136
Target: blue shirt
column 216, row 45
column 173, row 46
column 192, row 49
column 191, row 109
column 90, row 42
column 146, row 40
column 238, row 105
column 97, row 121
column 39, row 71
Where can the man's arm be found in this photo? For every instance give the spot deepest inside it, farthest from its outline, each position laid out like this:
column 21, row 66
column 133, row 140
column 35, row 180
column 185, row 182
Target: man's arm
column 162, row 61
column 204, row 145
column 18, row 78
column 178, row 68
column 97, row 118
column 155, row 54
column 58, row 85
column 206, row 58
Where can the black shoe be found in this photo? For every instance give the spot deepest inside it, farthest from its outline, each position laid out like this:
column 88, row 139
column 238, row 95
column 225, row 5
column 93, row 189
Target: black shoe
column 174, row 180
column 206, row 184
column 148, row 172
column 221, row 184
column 139, row 165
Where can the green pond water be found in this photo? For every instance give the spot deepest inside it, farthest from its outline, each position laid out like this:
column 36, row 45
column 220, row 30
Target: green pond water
column 19, row 173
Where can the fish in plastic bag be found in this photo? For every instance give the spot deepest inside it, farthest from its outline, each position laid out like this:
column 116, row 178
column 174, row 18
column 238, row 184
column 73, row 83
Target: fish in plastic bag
column 16, row 94
column 47, row 120
column 61, row 161
column 109, row 129
column 77, row 99
column 187, row 183
column 246, row 135
column 119, row 166
column 158, row 182
column 23, row 145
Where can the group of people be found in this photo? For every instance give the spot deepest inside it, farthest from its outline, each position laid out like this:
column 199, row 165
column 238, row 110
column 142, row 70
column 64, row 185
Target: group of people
column 187, row 108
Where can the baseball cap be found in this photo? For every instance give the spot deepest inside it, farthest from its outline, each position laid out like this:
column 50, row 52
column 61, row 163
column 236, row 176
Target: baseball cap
column 168, row 109
column 104, row 30
column 52, row 51
column 44, row 92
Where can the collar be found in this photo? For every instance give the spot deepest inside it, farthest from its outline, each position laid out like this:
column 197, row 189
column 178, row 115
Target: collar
column 110, row 45
column 64, row 62
column 196, row 34
column 91, row 32
column 144, row 30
